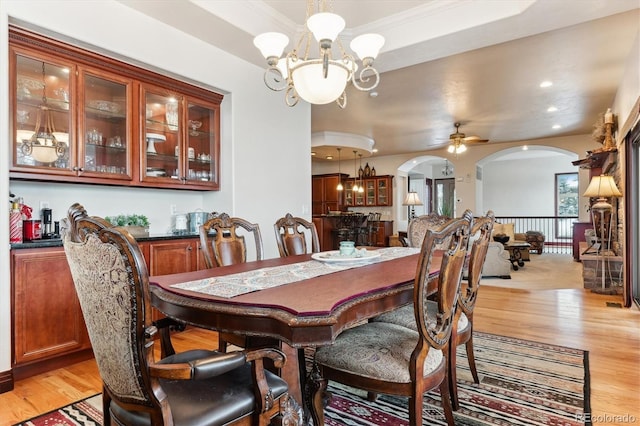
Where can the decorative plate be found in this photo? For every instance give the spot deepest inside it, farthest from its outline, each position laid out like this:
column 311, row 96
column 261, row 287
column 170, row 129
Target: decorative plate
column 335, row 256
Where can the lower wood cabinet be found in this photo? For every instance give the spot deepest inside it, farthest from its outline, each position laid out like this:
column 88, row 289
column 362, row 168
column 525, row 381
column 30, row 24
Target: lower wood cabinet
column 47, row 320
column 48, row 326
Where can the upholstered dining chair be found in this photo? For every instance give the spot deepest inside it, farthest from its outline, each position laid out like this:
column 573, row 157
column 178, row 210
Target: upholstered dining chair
column 388, row 358
column 292, row 233
column 195, row 387
column 419, row 225
column 222, row 245
column 463, row 332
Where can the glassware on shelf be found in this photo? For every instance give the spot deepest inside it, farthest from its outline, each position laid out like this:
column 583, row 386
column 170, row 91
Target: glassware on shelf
column 194, row 125
column 171, row 115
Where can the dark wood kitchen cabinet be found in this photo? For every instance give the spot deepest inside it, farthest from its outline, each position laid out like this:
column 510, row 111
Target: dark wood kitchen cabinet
column 324, row 194
column 48, row 327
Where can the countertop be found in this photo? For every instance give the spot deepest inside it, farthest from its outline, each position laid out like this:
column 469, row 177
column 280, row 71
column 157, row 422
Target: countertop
column 57, row 242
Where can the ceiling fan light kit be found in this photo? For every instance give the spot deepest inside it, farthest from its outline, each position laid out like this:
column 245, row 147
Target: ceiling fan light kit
column 458, row 140
column 319, row 80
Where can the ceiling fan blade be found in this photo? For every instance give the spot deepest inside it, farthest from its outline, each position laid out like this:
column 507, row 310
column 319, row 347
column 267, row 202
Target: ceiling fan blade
column 475, row 139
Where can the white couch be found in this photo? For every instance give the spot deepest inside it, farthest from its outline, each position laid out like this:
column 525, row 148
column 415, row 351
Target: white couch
column 497, row 263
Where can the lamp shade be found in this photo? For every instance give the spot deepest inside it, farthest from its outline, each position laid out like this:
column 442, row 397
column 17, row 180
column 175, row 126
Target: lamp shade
column 412, row 199
column 367, row 45
column 602, row 186
column 325, row 25
column 271, row 44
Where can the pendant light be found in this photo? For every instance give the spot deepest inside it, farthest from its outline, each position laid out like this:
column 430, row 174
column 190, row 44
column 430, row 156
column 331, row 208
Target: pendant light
column 355, row 171
column 339, row 187
column 361, row 187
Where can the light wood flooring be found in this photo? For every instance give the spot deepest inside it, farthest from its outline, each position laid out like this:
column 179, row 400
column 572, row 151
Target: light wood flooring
column 574, row 318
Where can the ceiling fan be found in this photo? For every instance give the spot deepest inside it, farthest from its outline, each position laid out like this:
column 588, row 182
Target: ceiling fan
column 459, row 139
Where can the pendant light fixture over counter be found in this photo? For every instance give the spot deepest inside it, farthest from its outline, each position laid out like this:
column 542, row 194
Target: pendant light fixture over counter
column 355, row 171
column 339, row 187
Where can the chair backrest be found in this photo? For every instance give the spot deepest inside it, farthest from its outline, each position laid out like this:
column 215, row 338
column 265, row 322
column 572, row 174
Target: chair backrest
column 455, row 233
column 221, row 243
column 291, row 236
column 480, row 239
column 419, row 225
column 112, row 284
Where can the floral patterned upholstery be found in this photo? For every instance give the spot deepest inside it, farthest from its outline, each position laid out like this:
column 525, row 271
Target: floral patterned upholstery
column 104, row 289
column 404, row 317
column 418, row 227
column 386, row 361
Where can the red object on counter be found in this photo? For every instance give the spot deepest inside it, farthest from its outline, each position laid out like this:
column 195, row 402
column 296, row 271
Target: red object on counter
column 32, row 229
column 26, row 211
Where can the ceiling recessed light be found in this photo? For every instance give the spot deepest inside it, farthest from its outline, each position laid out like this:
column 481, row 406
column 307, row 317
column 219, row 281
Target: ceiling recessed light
column 556, row 126
column 546, row 83
column 313, row 153
column 373, row 94
column 552, row 109
column 329, row 157
column 374, row 150
column 525, row 148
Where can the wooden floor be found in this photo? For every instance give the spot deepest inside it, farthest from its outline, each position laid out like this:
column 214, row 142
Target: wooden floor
column 574, row 318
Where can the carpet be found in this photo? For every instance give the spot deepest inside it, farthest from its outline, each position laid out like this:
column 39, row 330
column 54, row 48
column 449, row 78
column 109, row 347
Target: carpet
column 521, row 383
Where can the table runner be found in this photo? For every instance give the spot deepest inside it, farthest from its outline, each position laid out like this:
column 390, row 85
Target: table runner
column 228, row 286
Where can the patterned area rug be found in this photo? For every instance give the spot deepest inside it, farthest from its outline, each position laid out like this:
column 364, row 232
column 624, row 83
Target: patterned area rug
column 521, row 383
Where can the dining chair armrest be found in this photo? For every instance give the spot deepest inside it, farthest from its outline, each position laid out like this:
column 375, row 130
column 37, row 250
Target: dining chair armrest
column 182, row 367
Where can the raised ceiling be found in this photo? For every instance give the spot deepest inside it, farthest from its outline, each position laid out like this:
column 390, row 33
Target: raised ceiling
column 476, row 62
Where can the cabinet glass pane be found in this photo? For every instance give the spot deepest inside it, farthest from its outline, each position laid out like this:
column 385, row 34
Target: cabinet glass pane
column 382, row 192
column 105, row 126
column 162, row 136
column 200, row 139
column 43, row 117
column 370, row 188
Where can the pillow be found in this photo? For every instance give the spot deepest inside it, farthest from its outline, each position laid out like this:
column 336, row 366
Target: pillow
column 504, row 228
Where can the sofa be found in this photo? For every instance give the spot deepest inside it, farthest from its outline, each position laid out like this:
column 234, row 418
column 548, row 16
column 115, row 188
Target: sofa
column 497, row 263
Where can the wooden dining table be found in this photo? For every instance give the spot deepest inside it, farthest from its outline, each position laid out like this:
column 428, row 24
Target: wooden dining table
column 307, row 313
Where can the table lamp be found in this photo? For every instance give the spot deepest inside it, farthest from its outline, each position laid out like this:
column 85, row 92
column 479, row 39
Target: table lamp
column 412, row 200
column 602, row 187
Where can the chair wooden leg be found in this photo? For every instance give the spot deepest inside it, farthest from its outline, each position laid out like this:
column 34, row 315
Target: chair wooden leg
column 452, row 376
column 472, row 360
column 446, row 402
column 415, row 409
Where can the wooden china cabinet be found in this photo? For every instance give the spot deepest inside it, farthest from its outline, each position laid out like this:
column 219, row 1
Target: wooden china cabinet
column 81, row 117
column 377, row 192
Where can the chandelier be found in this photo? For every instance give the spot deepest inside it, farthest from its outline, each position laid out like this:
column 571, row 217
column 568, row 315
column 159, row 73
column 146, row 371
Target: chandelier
column 323, row 79
column 45, row 144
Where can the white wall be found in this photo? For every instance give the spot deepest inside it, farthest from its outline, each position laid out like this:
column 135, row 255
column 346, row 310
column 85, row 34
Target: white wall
column 265, row 165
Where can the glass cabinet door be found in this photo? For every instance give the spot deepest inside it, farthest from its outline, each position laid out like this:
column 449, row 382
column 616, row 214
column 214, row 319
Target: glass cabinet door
column 43, row 117
column 349, row 196
column 162, row 135
column 383, row 193
column 201, row 143
column 105, row 127
column 370, row 190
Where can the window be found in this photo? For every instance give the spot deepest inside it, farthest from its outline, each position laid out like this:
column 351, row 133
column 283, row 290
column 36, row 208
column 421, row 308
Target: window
column 566, row 203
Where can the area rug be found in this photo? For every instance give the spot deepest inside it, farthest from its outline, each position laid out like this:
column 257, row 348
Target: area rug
column 521, row 383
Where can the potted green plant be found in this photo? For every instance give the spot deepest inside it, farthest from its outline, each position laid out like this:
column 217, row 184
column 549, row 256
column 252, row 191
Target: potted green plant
column 136, row 224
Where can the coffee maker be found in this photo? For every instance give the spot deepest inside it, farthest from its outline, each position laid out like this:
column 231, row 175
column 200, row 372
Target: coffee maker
column 48, row 232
